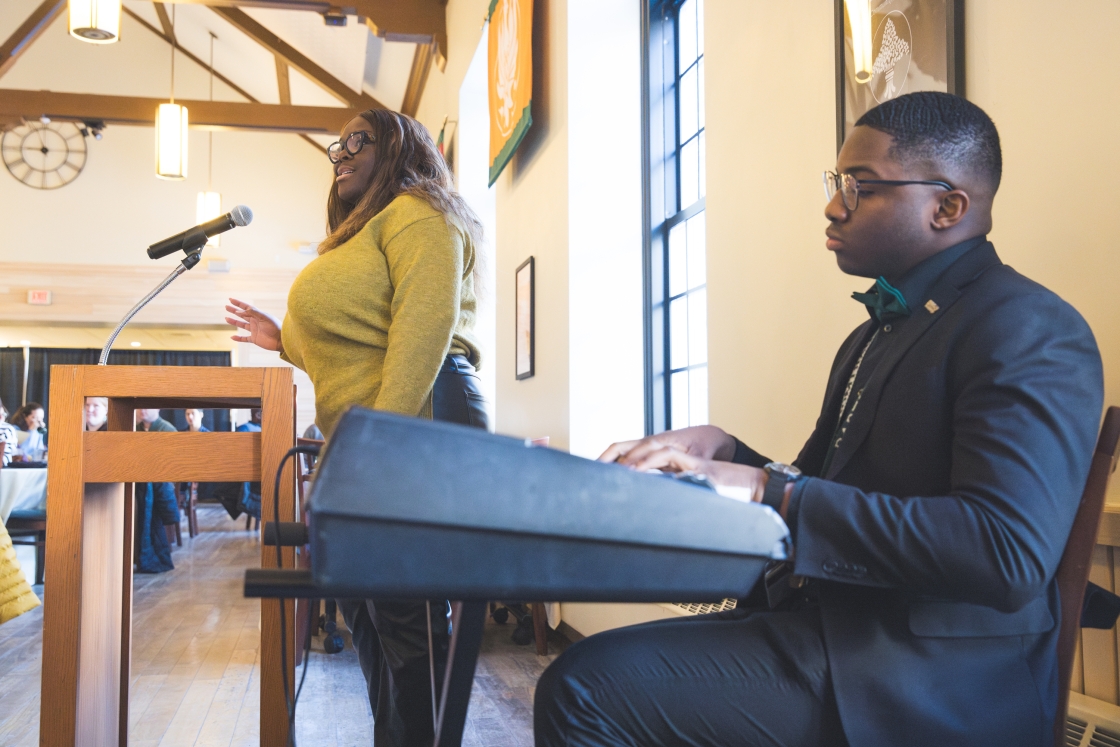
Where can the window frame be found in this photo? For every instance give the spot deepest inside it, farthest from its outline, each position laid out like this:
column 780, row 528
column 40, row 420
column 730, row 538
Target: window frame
column 661, row 186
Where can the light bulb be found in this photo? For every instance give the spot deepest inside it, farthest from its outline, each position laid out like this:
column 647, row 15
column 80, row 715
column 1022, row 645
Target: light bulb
column 171, row 141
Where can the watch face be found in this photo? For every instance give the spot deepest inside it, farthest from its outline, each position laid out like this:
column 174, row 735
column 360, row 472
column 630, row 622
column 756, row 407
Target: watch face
column 785, row 469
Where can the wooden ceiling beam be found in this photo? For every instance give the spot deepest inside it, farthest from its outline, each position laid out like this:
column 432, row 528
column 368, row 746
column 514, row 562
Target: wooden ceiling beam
column 256, row 31
column 282, row 82
column 28, row 32
column 207, row 115
column 315, row 6
column 164, row 20
column 418, row 78
column 419, row 21
column 196, row 60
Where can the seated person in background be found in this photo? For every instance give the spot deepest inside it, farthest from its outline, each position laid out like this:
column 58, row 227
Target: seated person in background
column 96, row 413
column 156, row 507
column 8, row 441
column 31, row 433
column 194, row 421
column 205, row 490
column 251, row 491
column 929, row 508
column 312, row 431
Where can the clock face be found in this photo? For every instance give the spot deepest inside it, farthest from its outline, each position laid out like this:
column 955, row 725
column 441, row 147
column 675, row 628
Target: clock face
column 44, row 156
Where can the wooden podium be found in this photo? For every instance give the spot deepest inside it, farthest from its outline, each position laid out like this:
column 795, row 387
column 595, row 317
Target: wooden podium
column 87, row 616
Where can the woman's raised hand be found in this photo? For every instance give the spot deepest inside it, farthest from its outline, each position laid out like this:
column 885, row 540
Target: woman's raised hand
column 263, row 330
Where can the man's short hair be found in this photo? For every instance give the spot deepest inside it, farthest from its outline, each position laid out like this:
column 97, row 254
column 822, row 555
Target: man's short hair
column 940, row 128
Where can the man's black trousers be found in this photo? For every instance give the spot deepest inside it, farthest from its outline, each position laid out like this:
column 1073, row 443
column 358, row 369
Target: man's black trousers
column 730, row 678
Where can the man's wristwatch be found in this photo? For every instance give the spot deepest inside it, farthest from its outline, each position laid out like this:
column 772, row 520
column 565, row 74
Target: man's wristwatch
column 778, row 476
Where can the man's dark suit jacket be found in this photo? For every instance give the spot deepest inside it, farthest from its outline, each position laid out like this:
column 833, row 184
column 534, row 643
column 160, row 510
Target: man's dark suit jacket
column 937, row 531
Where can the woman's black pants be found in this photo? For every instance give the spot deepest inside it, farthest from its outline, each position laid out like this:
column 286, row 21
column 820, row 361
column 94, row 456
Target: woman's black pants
column 390, row 635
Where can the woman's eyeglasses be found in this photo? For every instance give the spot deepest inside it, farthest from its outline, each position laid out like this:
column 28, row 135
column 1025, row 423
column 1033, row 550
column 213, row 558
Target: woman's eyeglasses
column 353, row 145
column 848, row 186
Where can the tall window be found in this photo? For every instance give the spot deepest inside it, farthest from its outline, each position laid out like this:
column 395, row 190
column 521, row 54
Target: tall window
column 676, row 292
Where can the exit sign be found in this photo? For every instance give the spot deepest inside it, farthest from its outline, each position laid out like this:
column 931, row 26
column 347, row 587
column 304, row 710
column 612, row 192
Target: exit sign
column 39, row 297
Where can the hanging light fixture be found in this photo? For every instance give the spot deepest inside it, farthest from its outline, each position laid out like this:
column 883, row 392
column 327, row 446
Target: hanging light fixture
column 209, row 203
column 859, row 18
column 171, row 128
column 95, row 21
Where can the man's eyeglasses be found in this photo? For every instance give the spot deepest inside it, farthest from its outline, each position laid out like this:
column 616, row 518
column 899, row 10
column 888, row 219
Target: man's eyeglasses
column 848, row 186
column 353, row 144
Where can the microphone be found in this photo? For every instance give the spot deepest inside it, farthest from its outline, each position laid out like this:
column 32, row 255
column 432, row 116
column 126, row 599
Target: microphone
column 196, row 237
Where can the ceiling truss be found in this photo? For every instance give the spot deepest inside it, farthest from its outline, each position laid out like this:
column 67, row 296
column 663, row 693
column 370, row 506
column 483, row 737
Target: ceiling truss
column 28, row 32
column 17, row 105
column 420, row 21
column 167, row 37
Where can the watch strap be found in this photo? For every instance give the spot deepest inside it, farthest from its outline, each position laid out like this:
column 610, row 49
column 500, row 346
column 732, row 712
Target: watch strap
column 775, row 490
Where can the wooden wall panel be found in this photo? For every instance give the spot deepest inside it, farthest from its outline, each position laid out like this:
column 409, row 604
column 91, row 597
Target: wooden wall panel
column 1099, row 663
column 1096, row 663
column 102, row 294
column 1077, row 681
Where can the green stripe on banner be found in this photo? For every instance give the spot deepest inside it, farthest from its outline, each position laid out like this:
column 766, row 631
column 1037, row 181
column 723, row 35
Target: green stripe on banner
column 490, row 13
column 511, row 145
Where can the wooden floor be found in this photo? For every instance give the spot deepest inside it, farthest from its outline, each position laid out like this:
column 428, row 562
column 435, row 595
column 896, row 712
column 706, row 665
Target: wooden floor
column 196, row 666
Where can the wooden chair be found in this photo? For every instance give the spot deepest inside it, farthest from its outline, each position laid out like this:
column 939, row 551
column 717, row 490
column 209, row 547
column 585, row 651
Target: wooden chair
column 174, row 533
column 32, row 524
column 29, row 527
column 1073, row 571
column 188, row 504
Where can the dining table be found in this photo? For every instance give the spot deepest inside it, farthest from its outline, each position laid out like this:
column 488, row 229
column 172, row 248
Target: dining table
column 22, row 489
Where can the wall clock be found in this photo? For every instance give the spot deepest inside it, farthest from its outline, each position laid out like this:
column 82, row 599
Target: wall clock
column 44, row 156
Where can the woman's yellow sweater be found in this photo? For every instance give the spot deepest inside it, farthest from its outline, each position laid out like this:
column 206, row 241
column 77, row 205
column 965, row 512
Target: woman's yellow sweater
column 371, row 320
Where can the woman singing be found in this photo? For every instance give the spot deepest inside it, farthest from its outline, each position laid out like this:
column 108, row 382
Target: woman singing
column 384, row 318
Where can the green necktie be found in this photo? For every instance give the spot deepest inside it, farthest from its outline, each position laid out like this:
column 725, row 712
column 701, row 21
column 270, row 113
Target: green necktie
column 884, row 301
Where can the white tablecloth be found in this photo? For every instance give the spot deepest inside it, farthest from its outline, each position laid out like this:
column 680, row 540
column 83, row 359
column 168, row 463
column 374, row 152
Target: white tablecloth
column 22, row 489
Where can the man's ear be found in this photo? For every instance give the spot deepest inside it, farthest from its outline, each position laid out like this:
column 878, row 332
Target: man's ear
column 951, row 210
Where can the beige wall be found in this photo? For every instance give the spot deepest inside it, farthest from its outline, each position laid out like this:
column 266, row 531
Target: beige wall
column 777, row 304
column 532, row 215
column 571, row 199
column 1051, row 83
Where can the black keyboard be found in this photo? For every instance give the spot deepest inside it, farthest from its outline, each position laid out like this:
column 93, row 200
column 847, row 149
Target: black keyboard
column 403, row 507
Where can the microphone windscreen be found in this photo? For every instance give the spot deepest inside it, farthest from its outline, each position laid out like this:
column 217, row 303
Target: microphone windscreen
column 241, row 215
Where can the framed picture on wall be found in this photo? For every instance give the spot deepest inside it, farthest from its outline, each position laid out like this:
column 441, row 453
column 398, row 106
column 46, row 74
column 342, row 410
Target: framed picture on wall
column 525, row 348
column 885, row 48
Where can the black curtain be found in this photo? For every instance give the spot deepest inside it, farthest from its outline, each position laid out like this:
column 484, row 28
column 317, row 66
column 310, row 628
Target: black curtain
column 41, row 359
column 11, row 377
column 39, row 362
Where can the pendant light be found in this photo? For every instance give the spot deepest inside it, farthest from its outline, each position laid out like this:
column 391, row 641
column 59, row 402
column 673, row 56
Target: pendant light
column 95, row 21
column 209, row 203
column 171, row 128
column 859, row 18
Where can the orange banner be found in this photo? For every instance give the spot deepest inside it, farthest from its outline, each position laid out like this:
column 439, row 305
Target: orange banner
column 511, row 79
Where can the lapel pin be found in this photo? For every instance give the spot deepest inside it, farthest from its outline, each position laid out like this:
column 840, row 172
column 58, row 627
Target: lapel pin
column 931, row 307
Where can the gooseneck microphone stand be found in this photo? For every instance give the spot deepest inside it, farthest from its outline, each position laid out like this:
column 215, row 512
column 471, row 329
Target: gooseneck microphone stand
column 194, row 255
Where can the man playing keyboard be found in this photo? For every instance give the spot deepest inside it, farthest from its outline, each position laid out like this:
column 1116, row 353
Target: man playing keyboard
column 929, row 508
